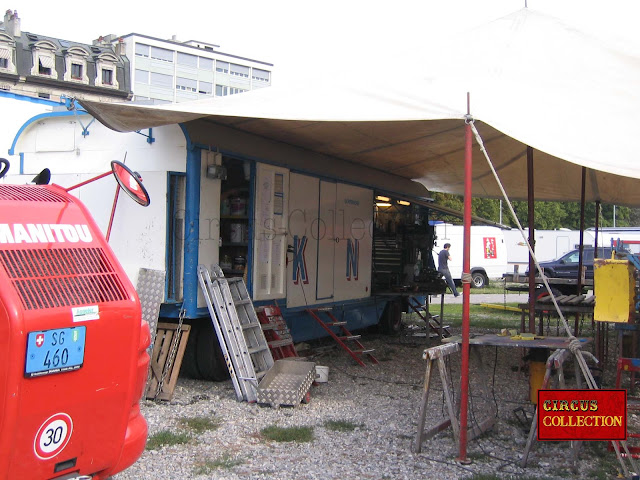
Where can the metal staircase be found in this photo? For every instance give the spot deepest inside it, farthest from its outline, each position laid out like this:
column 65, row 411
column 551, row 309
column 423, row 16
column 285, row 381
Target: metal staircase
column 343, row 336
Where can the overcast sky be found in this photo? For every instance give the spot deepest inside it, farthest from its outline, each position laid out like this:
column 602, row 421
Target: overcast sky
column 303, row 38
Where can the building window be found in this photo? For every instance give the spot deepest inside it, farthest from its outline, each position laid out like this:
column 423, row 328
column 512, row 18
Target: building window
column 234, row 90
column 222, row 67
column 107, row 77
column 260, row 75
column 76, row 71
column 187, row 60
column 142, row 76
column 106, row 68
column 162, row 54
column 205, row 88
column 186, row 84
column 75, row 61
column 161, row 80
column 44, row 64
column 7, row 49
column 221, row 90
column 239, row 70
column 142, row 50
column 206, row 63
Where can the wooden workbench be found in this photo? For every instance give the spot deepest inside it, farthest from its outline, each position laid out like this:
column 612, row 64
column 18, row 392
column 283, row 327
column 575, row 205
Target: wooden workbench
column 574, row 304
column 552, row 343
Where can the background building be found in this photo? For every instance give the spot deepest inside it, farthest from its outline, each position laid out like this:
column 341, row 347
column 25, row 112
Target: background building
column 172, row 71
column 50, row 68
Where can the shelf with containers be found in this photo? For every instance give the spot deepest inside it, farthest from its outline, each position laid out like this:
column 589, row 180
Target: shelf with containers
column 234, row 219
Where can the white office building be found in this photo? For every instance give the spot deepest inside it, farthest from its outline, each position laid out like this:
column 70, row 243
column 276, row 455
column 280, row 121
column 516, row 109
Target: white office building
column 172, row 71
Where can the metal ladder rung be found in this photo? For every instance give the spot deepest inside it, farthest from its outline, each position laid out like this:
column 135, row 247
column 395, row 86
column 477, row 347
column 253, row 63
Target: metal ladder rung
column 259, row 348
column 350, row 337
column 363, row 352
column 335, row 324
column 252, row 325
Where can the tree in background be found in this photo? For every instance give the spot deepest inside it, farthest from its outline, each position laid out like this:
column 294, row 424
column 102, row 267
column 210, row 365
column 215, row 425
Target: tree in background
column 547, row 215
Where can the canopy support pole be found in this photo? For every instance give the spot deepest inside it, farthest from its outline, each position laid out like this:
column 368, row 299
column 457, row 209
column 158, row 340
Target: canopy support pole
column 466, row 286
column 580, row 257
column 532, row 242
column 597, row 225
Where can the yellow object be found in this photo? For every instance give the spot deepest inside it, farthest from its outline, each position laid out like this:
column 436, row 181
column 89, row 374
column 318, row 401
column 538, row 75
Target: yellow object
column 501, row 307
column 525, row 336
column 614, row 288
column 537, row 371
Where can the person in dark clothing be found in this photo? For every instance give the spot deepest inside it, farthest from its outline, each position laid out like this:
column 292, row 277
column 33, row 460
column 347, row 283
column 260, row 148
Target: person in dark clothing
column 443, row 268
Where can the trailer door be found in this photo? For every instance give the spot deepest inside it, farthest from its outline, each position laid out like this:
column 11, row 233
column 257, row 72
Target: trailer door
column 326, row 238
column 353, row 241
column 271, row 215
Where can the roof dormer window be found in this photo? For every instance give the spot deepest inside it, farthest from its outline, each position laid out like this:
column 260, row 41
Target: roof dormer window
column 7, row 53
column 44, row 59
column 106, row 64
column 75, row 61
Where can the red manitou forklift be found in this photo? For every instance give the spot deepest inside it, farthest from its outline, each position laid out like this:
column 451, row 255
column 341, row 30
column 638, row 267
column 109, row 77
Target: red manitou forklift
column 73, row 358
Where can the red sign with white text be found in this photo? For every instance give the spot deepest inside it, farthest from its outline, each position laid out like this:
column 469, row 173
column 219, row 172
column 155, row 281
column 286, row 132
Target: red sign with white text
column 582, row 415
column 490, row 247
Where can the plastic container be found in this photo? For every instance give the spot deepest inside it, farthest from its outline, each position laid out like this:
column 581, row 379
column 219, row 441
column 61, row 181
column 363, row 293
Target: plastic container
column 322, row 374
column 237, row 234
column 238, row 206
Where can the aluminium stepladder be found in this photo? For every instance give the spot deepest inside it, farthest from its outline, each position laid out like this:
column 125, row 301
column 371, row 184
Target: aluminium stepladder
column 239, row 332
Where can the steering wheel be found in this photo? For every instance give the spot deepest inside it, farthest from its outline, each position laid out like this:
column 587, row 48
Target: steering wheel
column 5, row 167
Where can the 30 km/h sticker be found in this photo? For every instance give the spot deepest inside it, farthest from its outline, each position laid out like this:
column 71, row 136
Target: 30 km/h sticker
column 53, row 436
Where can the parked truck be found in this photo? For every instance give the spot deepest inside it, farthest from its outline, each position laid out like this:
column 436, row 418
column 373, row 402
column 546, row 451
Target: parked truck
column 488, row 252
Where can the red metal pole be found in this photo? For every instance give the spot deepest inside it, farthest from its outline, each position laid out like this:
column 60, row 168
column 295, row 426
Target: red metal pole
column 466, row 267
column 113, row 211
column 90, row 180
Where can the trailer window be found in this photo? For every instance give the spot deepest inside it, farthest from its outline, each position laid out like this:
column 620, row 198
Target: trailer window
column 175, row 234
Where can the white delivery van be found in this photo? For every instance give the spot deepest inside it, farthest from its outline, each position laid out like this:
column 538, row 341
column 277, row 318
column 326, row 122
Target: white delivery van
column 488, row 252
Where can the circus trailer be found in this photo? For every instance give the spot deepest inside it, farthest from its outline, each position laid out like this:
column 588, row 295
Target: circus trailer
column 301, row 234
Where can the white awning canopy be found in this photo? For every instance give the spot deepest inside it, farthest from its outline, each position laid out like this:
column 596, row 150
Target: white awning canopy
column 46, row 61
column 532, row 81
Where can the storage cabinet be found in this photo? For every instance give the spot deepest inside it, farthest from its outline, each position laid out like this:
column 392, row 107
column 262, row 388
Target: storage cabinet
column 234, row 218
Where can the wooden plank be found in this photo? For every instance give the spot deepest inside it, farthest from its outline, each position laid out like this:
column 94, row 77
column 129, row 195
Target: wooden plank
column 165, row 333
column 156, row 369
column 172, row 375
column 577, row 300
column 420, row 436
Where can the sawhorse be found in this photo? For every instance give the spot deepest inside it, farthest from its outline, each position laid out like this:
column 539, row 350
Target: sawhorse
column 438, row 354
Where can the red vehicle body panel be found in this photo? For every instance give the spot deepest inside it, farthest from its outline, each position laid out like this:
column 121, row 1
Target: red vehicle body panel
column 54, row 262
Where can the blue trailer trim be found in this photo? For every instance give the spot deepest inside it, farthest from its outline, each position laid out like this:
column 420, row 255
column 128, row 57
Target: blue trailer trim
column 192, row 232
column 37, row 118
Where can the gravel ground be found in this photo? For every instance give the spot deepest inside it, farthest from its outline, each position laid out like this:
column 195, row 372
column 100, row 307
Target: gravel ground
column 381, row 405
